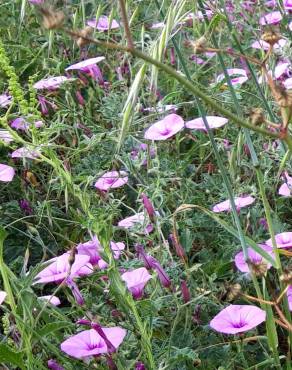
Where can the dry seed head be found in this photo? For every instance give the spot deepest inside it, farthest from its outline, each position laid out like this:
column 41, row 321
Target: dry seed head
column 271, row 35
column 198, row 46
column 259, row 269
column 52, row 19
column 257, row 116
column 286, row 277
column 233, row 292
column 86, row 32
column 283, row 97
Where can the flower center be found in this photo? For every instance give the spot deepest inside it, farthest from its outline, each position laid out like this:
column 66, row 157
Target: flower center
column 165, row 131
column 240, row 324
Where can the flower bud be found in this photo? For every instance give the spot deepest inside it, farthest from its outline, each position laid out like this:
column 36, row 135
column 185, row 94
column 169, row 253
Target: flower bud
column 53, row 365
column 148, row 206
column 185, row 291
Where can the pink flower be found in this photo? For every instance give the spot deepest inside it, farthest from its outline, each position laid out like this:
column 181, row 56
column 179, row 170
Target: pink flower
column 6, row 173
column 136, row 281
column 288, row 83
column 103, row 23
column 21, row 124
column 236, row 319
column 5, row 100
column 240, row 202
column 157, row 25
column 285, row 189
column 254, row 257
column 129, row 222
column 55, row 301
column 240, row 78
column 25, row 153
column 51, row 83
column 111, row 180
column 59, row 269
column 283, row 240
column 85, row 64
column 287, row 4
column 3, row 295
column 36, row 1
column 89, row 343
column 289, row 296
column 271, row 18
column 166, row 128
column 213, row 121
column 117, row 248
column 265, row 45
column 6, row 136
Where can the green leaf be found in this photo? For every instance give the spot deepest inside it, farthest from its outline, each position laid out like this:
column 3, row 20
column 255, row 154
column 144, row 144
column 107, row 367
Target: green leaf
column 54, row 326
column 7, row 355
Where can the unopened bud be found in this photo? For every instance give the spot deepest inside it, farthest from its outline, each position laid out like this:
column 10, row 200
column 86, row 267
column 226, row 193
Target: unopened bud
column 185, row 291
column 148, row 206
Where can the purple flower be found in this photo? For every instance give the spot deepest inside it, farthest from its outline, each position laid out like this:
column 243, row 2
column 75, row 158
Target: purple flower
column 285, row 189
column 51, row 83
column 236, row 319
column 289, row 296
column 136, row 281
column 21, row 124
column 59, row 269
column 213, row 121
column 265, row 45
column 5, row 100
column 103, row 23
column 254, row 258
column 287, row 4
column 25, row 206
column 240, row 202
column 89, row 342
column 166, row 128
column 271, row 18
column 55, row 301
column 130, row 222
column 75, row 291
column 288, row 83
column 52, row 364
column 25, row 153
column 2, row 296
column 111, row 180
column 5, row 136
column 283, row 240
column 89, row 67
column 140, row 366
column 239, row 79
column 6, row 173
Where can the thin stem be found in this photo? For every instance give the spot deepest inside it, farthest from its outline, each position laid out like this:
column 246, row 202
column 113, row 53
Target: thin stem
column 126, row 24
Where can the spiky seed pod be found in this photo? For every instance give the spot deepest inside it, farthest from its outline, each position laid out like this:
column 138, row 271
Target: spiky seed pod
column 85, row 32
column 257, row 116
column 259, row 269
column 286, row 277
column 271, row 35
column 52, row 19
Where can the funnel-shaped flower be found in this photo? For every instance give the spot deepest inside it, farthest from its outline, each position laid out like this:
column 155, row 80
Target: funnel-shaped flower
column 240, row 202
column 166, row 128
column 111, row 180
column 285, row 189
column 271, row 18
column 236, row 319
column 6, row 173
column 84, row 64
column 129, row 222
column 283, row 240
column 136, row 281
column 265, row 45
column 51, row 83
column 254, row 258
column 103, row 23
column 5, row 100
column 89, row 343
column 25, row 153
column 59, row 269
column 2, row 296
column 213, row 122
column 237, row 76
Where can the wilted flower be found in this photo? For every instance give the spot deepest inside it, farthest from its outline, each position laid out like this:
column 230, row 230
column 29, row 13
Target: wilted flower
column 283, row 240
column 239, row 79
column 51, row 83
column 140, row 366
column 25, row 153
column 24, row 205
column 240, row 202
column 285, row 189
column 103, row 23
column 53, row 365
column 236, row 319
column 2, row 296
column 5, row 136
column 111, row 180
column 5, row 100
column 213, row 122
column 89, row 342
column 136, row 281
column 21, row 124
column 271, row 18
column 6, row 173
column 55, row 301
column 166, row 128
column 257, row 263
